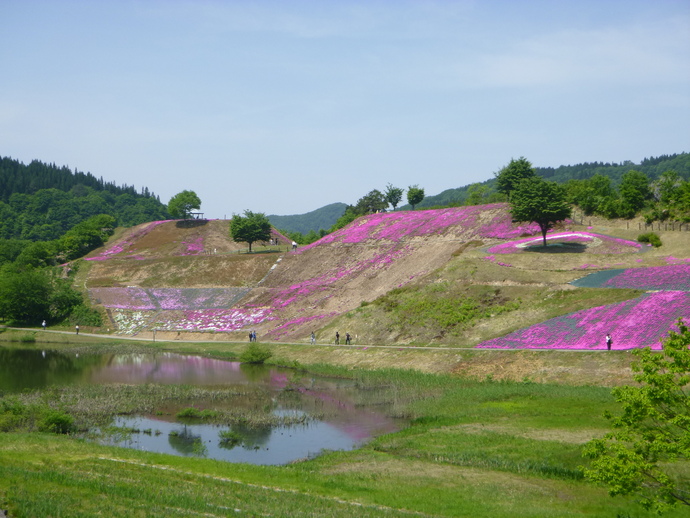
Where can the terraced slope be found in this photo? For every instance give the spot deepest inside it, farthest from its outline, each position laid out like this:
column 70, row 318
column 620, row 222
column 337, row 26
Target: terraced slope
column 194, row 280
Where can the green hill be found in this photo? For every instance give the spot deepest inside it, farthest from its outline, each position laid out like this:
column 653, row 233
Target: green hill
column 318, row 219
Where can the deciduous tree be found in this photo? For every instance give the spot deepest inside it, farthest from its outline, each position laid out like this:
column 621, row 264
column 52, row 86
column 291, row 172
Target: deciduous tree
column 393, row 195
column 183, row 203
column 536, row 200
column 508, row 178
column 250, row 228
column 648, row 451
column 415, row 195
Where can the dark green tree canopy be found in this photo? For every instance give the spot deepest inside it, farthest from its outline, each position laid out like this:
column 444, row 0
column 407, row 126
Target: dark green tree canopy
column 634, row 192
column 373, row 201
column 250, row 228
column 536, row 200
column 183, row 203
column 393, row 195
column 508, row 178
column 652, row 434
column 415, row 195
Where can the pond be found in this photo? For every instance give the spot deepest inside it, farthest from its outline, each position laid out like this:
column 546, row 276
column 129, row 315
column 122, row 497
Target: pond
column 320, row 413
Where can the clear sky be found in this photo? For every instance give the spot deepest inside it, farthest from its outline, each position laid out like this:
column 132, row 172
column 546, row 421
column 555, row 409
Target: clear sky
column 286, row 106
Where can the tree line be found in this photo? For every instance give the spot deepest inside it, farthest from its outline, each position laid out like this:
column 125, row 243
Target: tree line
column 41, row 202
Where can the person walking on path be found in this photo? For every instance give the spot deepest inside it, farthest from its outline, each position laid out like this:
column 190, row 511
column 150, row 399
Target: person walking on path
column 44, row 325
column 313, row 338
column 77, row 328
column 609, row 342
column 347, row 338
column 337, row 338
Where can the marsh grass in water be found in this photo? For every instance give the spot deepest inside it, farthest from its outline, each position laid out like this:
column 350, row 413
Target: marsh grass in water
column 93, row 406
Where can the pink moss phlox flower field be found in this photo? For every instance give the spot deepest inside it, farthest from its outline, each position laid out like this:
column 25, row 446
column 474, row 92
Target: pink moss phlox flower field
column 194, row 247
column 640, row 322
column 673, row 277
column 219, row 320
column 120, row 246
column 397, row 226
column 611, row 245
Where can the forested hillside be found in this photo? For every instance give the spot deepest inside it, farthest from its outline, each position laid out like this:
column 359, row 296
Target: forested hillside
column 40, row 202
column 318, row 219
column 653, row 168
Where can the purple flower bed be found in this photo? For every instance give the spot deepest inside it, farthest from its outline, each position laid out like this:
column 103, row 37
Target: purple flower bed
column 674, row 277
column 641, row 322
column 611, row 245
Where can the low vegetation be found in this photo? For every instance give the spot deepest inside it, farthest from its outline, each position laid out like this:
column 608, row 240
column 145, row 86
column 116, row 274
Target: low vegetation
column 477, row 447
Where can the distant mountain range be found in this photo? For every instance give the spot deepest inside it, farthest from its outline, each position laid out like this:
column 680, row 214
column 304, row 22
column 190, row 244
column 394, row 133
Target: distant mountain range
column 318, row 219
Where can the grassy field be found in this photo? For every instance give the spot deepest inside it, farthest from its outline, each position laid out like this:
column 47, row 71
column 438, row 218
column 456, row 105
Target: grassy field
column 476, row 446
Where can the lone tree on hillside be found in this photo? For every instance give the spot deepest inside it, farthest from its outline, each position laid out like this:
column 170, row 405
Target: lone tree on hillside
column 648, row 451
column 252, row 227
column 415, row 195
column 536, row 200
column 508, row 178
column 183, row 203
column 393, row 195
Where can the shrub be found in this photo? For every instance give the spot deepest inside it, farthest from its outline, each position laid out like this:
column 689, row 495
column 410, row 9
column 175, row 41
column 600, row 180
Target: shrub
column 56, row 421
column 28, row 338
column 651, row 238
column 255, row 354
column 195, row 413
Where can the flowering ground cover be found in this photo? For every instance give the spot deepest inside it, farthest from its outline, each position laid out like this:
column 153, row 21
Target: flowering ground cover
column 205, row 320
column 672, row 277
column 481, row 221
column 639, row 322
column 596, row 243
column 120, row 246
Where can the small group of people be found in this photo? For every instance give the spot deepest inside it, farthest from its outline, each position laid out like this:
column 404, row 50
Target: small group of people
column 348, row 338
column 252, row 336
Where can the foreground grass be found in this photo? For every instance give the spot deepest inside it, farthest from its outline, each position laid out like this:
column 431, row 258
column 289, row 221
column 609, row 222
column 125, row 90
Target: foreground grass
column 474, row 448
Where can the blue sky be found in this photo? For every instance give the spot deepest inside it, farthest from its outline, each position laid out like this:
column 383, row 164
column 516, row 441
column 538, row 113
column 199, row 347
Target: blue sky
column 285, row 106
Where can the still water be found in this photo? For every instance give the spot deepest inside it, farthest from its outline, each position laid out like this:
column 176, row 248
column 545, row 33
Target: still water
column 346, row 423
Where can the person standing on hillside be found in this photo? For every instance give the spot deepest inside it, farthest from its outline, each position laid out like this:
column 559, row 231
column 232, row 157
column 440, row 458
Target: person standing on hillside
column 609, row 341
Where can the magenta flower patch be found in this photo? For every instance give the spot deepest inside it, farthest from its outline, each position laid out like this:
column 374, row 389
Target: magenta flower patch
column 674, row 277
column 641, row 322
column 124, row 244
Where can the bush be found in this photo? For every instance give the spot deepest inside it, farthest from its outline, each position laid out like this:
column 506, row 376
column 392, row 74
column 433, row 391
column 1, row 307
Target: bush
column 56, row 421
column 85, row 316
column 255, row 354
column 651, row 238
